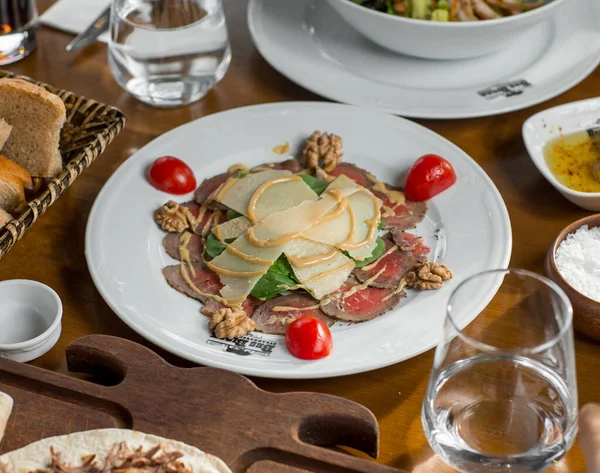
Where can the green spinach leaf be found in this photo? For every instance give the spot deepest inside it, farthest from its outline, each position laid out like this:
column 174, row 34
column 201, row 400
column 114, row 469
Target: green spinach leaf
column 315, row 184
column 214, row 247
column 231, row 214
column 280, row 274
column 377, row 252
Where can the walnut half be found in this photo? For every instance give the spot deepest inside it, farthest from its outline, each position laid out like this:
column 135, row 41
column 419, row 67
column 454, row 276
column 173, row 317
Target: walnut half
column 324, row 147
column 173, row 217
column 428, row 276
column 230, row 323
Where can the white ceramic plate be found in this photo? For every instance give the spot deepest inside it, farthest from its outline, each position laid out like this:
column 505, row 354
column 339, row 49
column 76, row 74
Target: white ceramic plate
column 467, row 227
column 541, row 128
column 307, row 41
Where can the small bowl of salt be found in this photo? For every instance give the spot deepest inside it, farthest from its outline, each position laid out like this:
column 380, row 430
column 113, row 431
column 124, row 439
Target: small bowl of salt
column 573, row 262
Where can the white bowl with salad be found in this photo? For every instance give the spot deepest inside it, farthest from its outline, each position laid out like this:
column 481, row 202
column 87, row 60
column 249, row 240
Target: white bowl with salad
column 445, row 29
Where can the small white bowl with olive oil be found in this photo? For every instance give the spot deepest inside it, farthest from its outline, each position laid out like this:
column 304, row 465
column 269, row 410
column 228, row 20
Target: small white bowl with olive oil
column 560, row 146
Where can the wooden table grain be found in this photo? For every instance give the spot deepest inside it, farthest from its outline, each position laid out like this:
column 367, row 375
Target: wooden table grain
column 52, row 251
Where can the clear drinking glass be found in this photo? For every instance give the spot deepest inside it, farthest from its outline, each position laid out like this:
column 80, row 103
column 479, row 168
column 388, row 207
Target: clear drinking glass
column 502, row 396
column 18, row 29
column 168, row 52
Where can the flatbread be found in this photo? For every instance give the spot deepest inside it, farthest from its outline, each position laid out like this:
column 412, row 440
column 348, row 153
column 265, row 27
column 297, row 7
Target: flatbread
column 6, row 405
column 74, row 447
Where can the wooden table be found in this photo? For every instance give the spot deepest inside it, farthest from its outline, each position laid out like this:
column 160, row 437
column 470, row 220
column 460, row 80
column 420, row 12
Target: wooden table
column 53, row 250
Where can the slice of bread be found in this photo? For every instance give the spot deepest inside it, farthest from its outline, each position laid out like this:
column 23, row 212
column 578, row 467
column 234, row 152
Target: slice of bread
column 8, row 167
column 5, row 130
column 13, row 181
column 12, row 194
column 36, row 117
column 5, row 217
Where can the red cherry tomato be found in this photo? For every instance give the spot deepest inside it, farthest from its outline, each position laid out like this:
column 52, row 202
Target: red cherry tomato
column 172, row 175
column 428, row 176
column 308, row 338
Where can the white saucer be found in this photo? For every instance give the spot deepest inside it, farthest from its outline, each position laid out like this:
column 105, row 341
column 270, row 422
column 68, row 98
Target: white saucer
column 307, row 41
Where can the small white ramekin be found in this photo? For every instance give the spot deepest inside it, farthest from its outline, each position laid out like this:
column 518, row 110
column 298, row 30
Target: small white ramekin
column 546, row 125
column 30, row 319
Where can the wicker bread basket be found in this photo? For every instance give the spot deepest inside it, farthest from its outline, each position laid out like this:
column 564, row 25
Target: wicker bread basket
column 89, row 128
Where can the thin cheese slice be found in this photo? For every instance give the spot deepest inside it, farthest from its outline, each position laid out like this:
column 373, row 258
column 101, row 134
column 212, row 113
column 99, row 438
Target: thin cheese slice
column 232, row 229
column 298, row 219
column 335, row 232
column 282, row 196
column 292, row 221
column 286, row 226
column 342, row 182
column 239, row 194
column 240, row 286
column 365, row 207
column 237, row 287
column 241, row 256
column 322, row 278
column 331, row 232
column 275, row 198
column 365, row 251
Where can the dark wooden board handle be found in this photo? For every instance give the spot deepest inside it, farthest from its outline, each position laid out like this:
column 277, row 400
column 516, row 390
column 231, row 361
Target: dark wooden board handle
column 219, row 411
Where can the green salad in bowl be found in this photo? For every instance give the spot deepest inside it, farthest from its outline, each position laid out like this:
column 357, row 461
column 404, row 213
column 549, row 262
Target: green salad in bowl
column 453, row 10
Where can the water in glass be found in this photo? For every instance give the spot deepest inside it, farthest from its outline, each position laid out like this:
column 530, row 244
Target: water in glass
column 502, row 395
column 168, row 52
column 18, row 28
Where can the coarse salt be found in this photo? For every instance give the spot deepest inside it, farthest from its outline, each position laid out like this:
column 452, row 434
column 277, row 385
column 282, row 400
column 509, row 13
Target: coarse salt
column 578, row 261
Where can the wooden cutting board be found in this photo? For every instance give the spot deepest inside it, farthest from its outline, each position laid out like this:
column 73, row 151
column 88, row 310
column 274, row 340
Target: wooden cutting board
column 219, row 412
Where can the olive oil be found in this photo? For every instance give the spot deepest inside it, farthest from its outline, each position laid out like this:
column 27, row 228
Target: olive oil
column 571, row 159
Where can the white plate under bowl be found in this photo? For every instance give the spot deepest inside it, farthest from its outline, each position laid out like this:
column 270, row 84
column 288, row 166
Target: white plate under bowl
column 307, row 41
column 544, row 126
column 467, row 227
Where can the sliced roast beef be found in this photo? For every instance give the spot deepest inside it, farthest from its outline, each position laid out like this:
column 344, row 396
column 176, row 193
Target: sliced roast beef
column 249, row 306
column 366, row 304
column 397, row 264
column 275, row 322
column 208, row 186
column 406, row 216
column 210, row 307
column 355, row 173
column 171, row 244
column 195, row 246
column 409, row 242
column 204, row 279
column 194, row 208
column 291, row 165
column 288, row 165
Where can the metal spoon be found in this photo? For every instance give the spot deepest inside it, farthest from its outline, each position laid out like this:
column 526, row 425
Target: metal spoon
column 91, row 33
column 594, row 134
